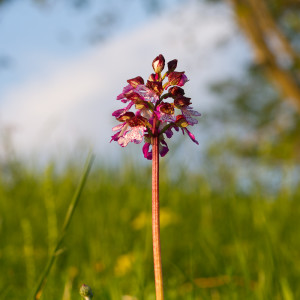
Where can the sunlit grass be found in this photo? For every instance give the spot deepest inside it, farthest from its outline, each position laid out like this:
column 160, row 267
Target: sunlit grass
column 215, row 244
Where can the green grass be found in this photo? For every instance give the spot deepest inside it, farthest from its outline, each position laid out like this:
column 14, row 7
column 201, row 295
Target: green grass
column 216, row 244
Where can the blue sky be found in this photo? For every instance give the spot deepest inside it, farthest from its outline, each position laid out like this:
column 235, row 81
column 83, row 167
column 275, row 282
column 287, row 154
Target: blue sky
column 60, row 88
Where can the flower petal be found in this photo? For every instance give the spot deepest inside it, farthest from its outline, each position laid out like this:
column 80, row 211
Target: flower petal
column 147, row 153
column 126, row 89
column 118, row 127
column 163, row 148
column 166, row 117
column 115, row 137
column 192, row 137
column 122, row 111
column 188, row 113
column 135, row 134
column 148, row 94
column 169, row 133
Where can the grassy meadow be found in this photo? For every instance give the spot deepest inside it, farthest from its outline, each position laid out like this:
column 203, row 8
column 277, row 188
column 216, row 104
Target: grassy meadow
column 216, row 243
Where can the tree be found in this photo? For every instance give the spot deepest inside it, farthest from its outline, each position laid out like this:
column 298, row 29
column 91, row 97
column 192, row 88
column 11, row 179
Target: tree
column 272, row 28
column 264, row 108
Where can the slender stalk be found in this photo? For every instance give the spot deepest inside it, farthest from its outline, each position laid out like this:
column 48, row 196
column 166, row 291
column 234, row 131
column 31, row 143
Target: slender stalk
column 56, row 251
column 155, row 220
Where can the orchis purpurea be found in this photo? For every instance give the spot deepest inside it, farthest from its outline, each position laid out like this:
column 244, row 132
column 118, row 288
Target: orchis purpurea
column 159, row 108
column 156, row 113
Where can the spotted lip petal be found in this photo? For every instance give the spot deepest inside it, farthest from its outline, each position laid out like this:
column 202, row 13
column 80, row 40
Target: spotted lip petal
column 189, row 113
column 135, row 135
column 148, row 94
column 166, row 117
column 172, row 65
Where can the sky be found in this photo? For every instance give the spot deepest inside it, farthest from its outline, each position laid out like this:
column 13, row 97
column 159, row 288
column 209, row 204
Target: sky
column 64, row 68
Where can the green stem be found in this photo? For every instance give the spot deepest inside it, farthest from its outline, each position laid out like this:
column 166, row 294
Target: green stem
column 56, row 251
column 155, row 220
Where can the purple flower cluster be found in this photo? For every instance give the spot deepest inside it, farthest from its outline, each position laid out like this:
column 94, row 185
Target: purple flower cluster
column 157, row 113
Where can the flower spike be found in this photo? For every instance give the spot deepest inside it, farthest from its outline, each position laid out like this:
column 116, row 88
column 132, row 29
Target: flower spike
column 157, row 113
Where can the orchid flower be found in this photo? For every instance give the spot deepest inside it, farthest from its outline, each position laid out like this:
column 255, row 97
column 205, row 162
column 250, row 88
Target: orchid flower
column 159, row 108
column 156, row 112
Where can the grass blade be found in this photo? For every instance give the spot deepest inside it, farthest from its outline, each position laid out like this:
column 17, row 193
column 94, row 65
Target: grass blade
column 43, row 278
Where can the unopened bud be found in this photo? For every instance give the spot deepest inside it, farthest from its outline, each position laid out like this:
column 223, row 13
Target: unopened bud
column 134, row 82
column 158, row 64
column 182, row 101
column 176, row 91
column 172, row 65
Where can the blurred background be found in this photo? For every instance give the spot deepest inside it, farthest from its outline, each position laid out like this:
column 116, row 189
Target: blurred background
column 233, row 200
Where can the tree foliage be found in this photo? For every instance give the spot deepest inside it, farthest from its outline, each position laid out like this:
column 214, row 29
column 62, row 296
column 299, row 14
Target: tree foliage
column 264, row 107
column 272, row 28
